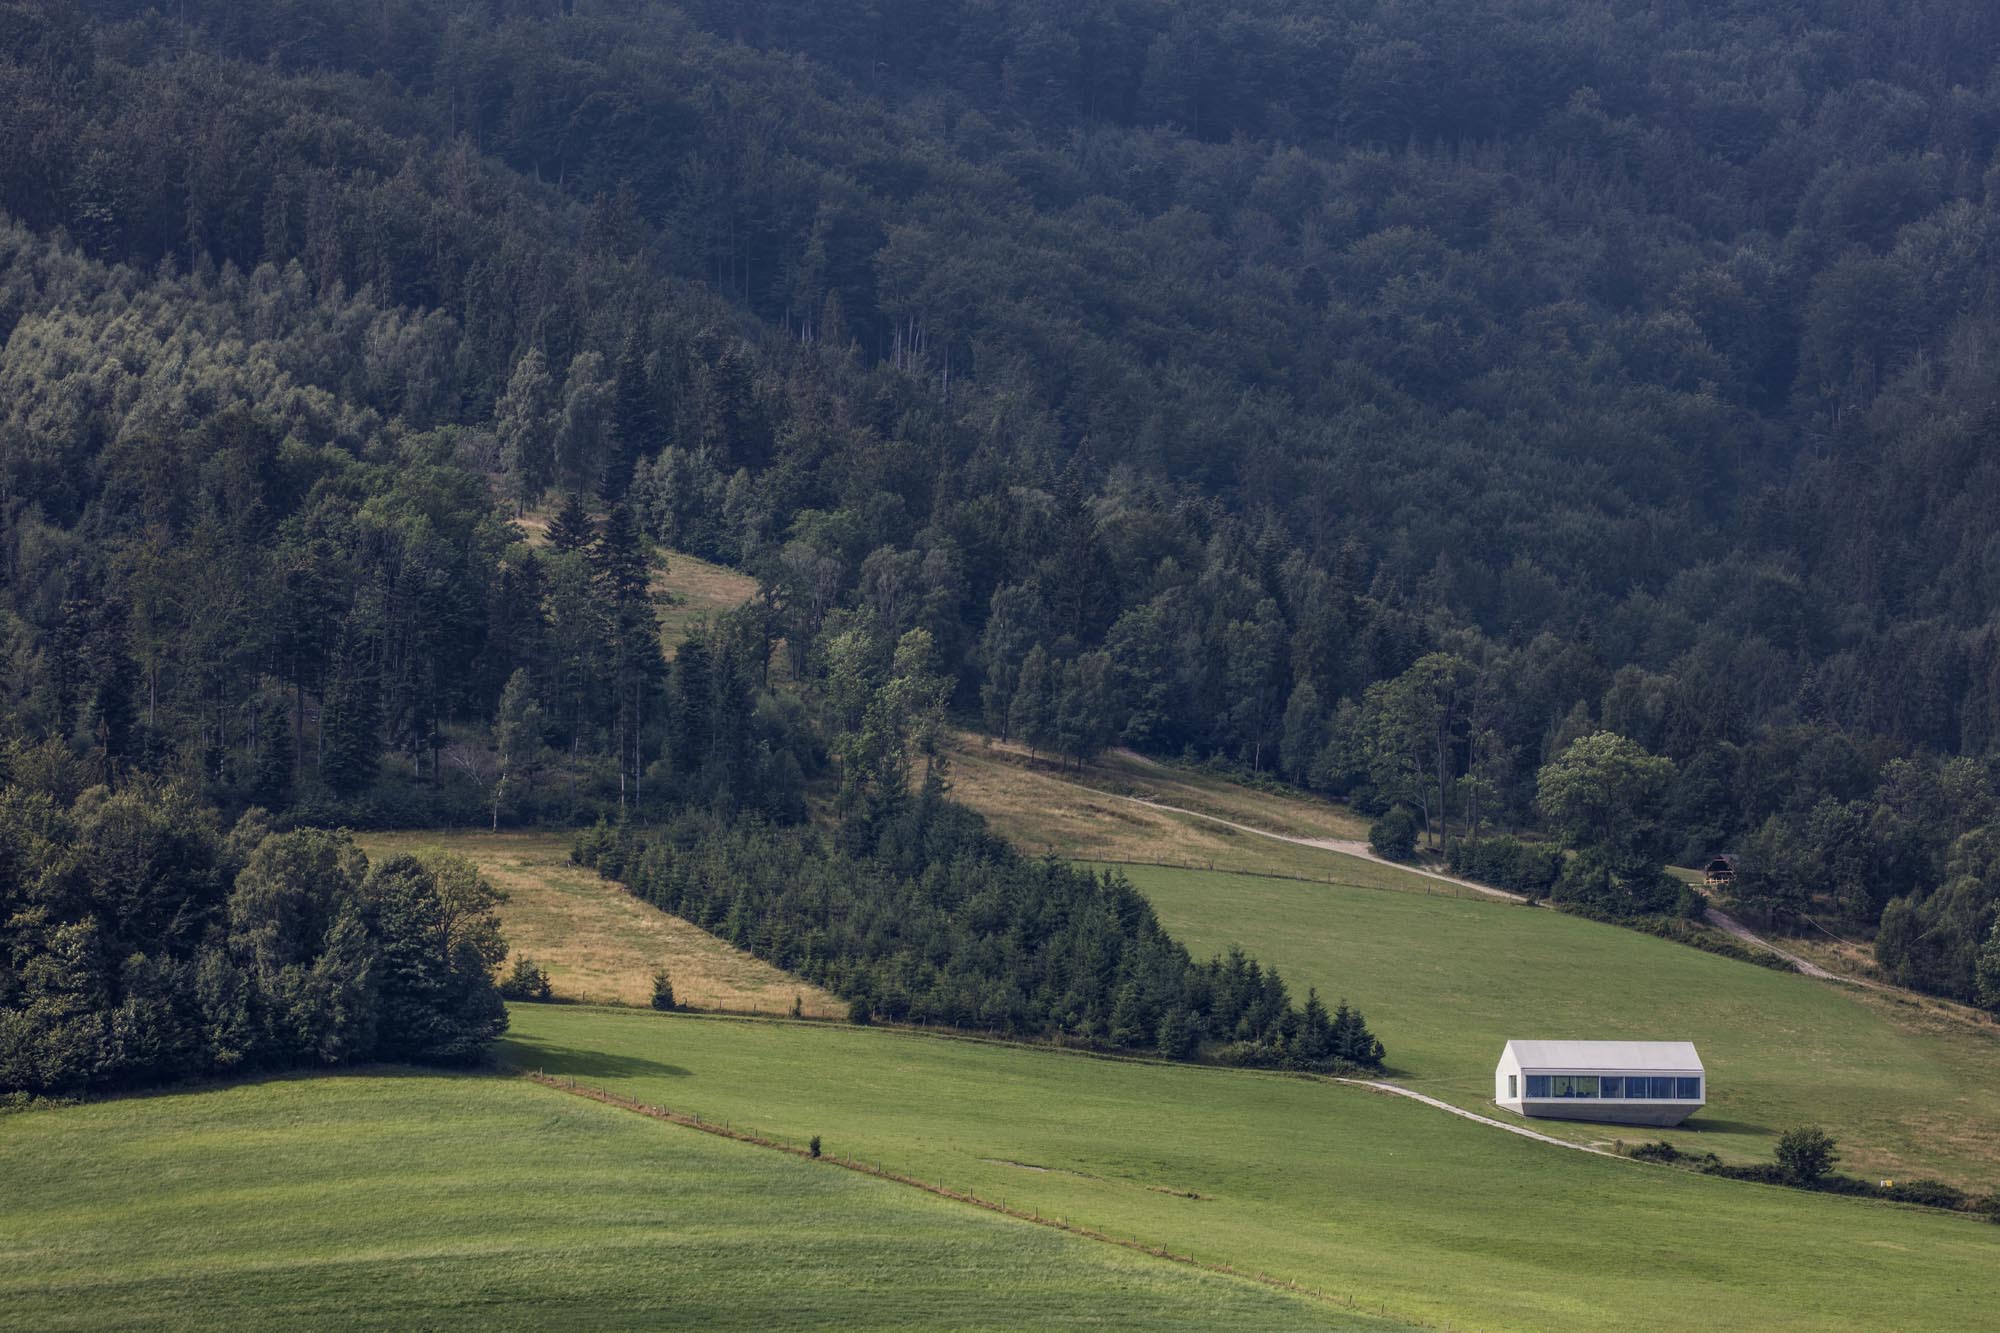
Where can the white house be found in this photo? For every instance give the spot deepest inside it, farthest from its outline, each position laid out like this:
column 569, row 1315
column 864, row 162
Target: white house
column 1622, row 1082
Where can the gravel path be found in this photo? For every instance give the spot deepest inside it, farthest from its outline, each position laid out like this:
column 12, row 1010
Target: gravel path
column 1344, row 846
column 1474, row 1116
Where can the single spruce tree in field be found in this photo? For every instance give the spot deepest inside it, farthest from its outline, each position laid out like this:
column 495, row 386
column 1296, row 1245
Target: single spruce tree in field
column 663, row 991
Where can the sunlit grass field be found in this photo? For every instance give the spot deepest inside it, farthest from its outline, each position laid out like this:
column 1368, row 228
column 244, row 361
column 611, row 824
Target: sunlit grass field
column 414, row 1201
column 1395, row 1205
column 1908, row 1088
column 599, row 943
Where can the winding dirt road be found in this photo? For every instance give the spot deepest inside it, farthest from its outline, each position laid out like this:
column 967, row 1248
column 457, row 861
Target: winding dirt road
column 1345, row 846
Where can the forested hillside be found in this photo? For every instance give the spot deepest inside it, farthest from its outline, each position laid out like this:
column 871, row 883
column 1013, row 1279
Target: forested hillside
column 1390, row 396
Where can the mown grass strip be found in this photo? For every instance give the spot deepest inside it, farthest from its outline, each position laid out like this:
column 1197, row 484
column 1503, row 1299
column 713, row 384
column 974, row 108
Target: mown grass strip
column 723, row 1129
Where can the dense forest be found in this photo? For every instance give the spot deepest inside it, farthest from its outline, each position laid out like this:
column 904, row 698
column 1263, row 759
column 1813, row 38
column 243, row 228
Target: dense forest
column 1393, row 398
column 143, row 943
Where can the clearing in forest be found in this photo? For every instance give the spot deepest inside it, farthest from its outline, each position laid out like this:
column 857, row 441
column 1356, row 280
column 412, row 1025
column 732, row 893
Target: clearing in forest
column 690, row 589
column 1910, row 1087
column 1388, row 1202
column 597, row 942
column 421, row 1201
column 1097, row 813
column 686, row 588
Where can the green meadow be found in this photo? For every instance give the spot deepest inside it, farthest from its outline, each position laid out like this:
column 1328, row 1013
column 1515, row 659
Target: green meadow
column 1909, row 1088
column 1401, row 1208
column 419, row 1201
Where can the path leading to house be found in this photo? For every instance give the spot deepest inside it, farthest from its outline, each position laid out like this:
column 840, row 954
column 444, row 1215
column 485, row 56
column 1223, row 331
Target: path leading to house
column 1474, row 1116
column 1345, row 846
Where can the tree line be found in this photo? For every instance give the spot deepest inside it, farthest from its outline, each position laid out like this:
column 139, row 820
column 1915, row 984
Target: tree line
column 922, row 916
column 143, row 943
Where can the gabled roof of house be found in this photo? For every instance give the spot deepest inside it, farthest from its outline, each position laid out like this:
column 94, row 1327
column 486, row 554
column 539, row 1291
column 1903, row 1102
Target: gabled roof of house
column 1667, row 1056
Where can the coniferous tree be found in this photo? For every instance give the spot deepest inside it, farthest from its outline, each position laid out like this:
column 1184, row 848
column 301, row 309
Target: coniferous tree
column 633, row 638
column 439, row 946
column 1031, row 711
column 276, row 762
column 635, row 417
column 351, row 721
column 572, row 529
column 517, row 736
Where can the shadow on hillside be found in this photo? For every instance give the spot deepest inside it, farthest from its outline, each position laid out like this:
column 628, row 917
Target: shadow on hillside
column 585, row 1065
column 1710, row 1125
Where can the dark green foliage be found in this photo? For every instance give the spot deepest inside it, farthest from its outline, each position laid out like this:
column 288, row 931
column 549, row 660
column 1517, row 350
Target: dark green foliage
column 1276, row 426
column 663, row 991
column 141, row 945
column 571, row 529
column 1662, row 1151
column 1590, row 883
column 1508, row 863
column 1180, row 1034
column 812, row 1147
column 1806, row 1154
column 1394, row 835
column 439, row 946
column 930, row 919
column 526, row 981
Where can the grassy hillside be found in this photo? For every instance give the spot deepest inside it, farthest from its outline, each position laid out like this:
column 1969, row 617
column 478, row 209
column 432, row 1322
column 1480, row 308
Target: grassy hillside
column 601, row 944
column 1397, row 1204
column 688, row 588
column 342, row 1202
column 1043, row 806
column 1909, row 1087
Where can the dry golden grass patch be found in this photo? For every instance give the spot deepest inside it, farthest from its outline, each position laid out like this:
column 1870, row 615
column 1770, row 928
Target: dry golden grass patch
column 599, row 943
column 689, row 589
column 1042, row 807
column 1840, row 957
column 1126, row 773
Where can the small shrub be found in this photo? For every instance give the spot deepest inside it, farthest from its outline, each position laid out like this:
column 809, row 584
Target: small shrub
column 1394, row 836
column 812, row 1148
column 1806, row 1155
column 526, row 982
column 1929, row 1193
column 1668, row 1155
column 1661, row 1151
column 798, row 1006
column 663, row 991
